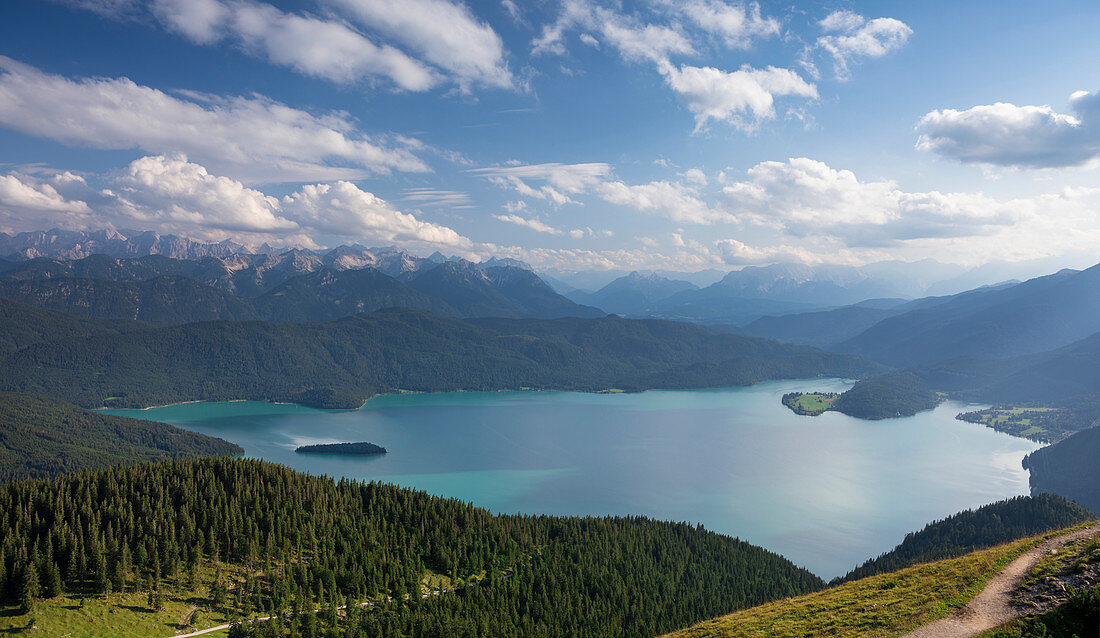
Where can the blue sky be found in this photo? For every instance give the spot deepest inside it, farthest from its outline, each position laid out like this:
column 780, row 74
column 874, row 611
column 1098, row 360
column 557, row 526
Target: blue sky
column 570, row 134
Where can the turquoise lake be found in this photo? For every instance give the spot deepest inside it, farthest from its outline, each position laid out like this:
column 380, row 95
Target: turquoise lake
column 828, row 492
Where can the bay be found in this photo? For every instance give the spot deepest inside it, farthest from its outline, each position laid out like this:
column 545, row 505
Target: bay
column 828, row 492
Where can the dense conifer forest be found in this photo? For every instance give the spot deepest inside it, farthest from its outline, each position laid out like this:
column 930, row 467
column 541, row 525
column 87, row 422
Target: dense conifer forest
column 42, row 437
column 342, row 363
column 309, row 542
column 972, row 530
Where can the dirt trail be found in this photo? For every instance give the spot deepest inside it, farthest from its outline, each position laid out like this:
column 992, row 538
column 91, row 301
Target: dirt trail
column 992, row 607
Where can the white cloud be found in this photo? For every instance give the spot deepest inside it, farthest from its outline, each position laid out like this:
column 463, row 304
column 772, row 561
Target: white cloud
column 806, row 198
column 668, row 199
column 171, row 194
column 1004, row 134
column 695, row 176
column 438, row 197
column 743, row 98
column 23, row 193
column 343, row 210
column 319, row 48
column 532, row 224
column 561, row 180
column 446, row 33
column 654, row 43
column 736, row 24
column 159, row 189
column 852, row 37
column 251, row 139
column 738, row 253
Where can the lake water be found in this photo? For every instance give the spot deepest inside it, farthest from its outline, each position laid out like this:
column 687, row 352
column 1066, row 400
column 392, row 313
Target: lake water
column 828, row 492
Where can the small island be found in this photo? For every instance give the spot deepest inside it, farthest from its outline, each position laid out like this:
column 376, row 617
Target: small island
column 809, row 403
column 342, row 448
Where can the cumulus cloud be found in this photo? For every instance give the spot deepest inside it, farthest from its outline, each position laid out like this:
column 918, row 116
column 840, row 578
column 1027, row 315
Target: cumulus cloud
column 743, row 98
column 343, row 210
column 804, row 198
column 445, row 33
column 737, row 24
column 851, row 37
column 24, row 193
column 252, row 139
column 1004, row 134
column 672, row 200
column 172, row 194
column 320, row 48
column 159, row 189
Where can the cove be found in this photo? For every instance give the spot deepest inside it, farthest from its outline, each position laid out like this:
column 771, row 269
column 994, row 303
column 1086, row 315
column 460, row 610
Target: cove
column 828, row 492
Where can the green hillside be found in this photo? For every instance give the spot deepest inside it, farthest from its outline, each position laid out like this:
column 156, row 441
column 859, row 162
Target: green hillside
column 22, row 325
column 240, row 536
column 344, row 362
column 880, row 606
column 1070, row 467
column 44, row 437
column 976, row 529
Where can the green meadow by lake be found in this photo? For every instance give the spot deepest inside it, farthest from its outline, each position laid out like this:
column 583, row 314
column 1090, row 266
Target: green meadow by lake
column 828, row 491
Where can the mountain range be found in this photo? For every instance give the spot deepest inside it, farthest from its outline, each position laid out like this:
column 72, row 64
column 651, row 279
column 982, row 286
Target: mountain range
column 292, row 286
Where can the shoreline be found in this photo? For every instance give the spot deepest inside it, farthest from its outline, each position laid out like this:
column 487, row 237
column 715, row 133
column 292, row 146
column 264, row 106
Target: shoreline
column 607, row 391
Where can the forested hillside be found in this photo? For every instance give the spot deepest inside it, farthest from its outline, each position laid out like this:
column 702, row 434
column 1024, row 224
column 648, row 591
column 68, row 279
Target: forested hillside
column 997, row 322
column 42, row 437
column 310, row 541
column 22, row 325
column 1070, row 467
column 972, row 530
column 344, row 362
column 167, row 299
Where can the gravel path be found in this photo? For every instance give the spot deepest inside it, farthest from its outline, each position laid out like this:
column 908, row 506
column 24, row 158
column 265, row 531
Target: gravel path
column 992, row 607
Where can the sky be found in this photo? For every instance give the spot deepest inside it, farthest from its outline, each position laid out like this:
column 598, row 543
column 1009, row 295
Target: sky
column 656, row 134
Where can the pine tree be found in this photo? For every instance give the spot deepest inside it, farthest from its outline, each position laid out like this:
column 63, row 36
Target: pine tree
column 29, row 589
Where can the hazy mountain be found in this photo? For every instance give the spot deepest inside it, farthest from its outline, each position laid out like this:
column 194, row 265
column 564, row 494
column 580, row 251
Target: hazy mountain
column 171, row 299
column 829, row 285
column 329, row 294
column 715, row 305
column 500, row 291
column 631, row 294
column 592, row 280
column 821, row 328
column 1037, row 315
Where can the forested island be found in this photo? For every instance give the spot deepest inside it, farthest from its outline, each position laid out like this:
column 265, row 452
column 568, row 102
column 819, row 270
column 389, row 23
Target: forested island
column 887, row 396
column 342, row 448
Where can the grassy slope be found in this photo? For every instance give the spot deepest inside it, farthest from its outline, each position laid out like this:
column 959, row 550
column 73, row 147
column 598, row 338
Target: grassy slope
column 884, row 605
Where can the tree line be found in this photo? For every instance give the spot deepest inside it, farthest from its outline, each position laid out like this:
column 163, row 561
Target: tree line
column 304, row 542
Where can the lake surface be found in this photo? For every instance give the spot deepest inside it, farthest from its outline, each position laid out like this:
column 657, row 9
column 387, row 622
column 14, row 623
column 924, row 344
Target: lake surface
column 828, row 492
